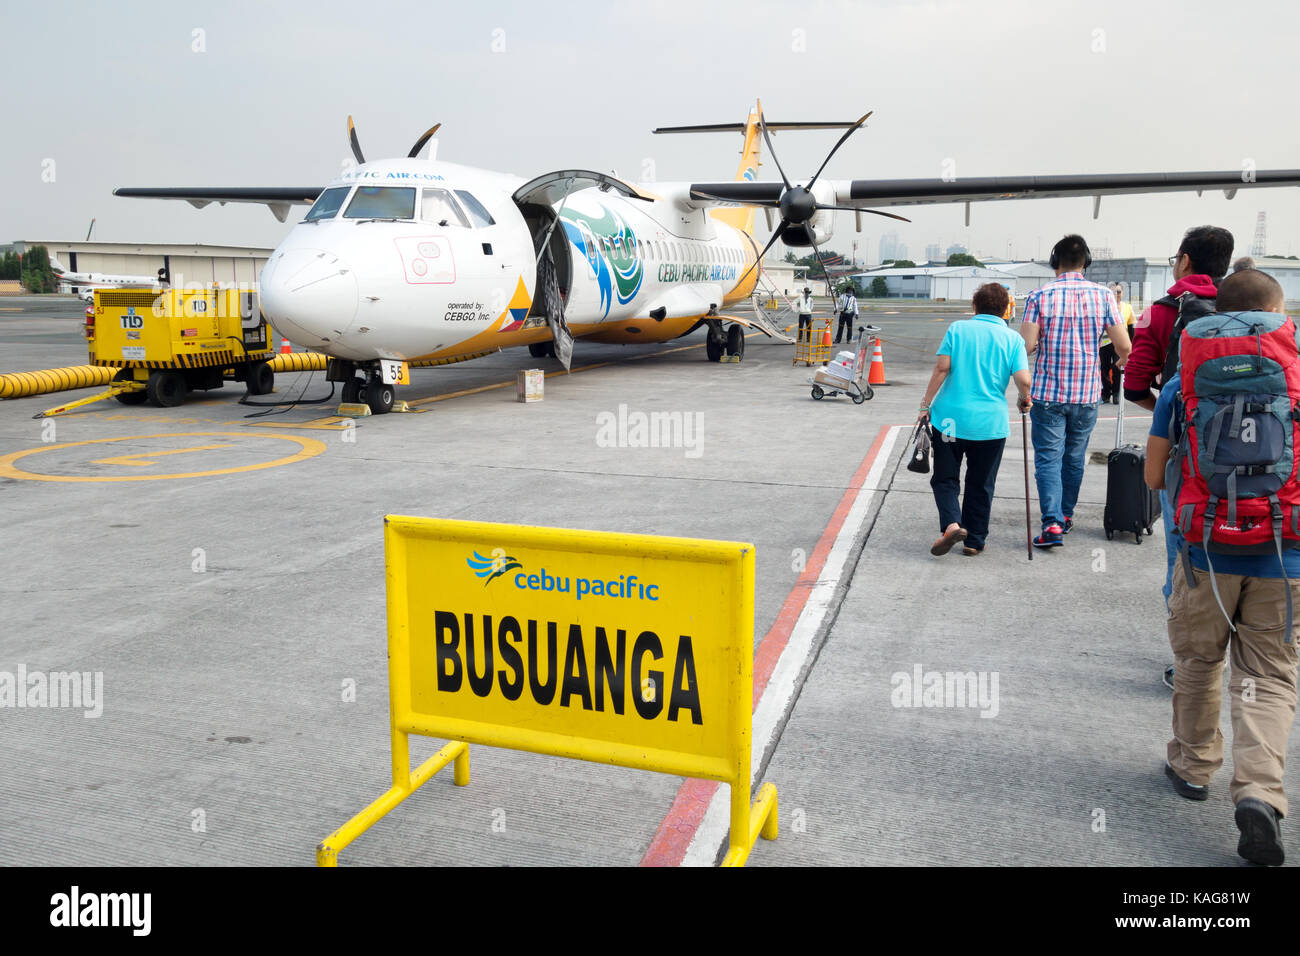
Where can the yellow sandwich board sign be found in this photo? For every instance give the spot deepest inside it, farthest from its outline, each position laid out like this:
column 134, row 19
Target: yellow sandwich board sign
column 618, row 648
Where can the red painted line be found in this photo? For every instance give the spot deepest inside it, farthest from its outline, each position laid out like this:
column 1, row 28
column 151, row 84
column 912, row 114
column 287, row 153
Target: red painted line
column 675, row 833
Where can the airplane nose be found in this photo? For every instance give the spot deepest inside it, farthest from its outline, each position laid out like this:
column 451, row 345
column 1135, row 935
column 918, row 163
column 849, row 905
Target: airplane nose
column 309, row 294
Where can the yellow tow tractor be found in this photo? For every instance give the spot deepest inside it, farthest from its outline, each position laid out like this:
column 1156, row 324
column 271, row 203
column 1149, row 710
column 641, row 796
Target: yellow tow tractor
column 168, row 343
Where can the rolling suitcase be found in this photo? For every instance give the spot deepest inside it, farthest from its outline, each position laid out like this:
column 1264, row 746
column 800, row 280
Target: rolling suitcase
column 1130, row 505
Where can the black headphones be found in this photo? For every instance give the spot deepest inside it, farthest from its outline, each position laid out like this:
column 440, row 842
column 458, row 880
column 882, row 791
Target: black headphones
column 1055, row 260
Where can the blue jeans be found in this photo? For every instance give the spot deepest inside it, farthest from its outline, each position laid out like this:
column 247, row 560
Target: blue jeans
column 1060, row 438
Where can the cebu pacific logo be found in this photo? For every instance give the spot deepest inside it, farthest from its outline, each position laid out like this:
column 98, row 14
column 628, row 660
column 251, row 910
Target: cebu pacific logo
column 750, row 174
column 491, row 568
column 610, row 247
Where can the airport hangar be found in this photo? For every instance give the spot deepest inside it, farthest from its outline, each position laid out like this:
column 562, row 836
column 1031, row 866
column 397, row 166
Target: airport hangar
column 189, row 264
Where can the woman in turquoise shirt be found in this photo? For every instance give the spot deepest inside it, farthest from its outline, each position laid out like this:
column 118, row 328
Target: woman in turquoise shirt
column 968, row 419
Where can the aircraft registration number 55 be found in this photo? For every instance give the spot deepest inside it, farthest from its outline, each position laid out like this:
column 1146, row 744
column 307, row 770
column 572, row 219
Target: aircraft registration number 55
column 395, row 373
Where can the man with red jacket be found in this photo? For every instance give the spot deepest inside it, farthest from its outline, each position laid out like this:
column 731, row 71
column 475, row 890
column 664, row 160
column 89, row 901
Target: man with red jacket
column 1202, row 260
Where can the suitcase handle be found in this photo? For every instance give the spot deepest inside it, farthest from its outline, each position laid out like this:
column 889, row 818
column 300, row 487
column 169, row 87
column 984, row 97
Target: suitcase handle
column 1119, row 424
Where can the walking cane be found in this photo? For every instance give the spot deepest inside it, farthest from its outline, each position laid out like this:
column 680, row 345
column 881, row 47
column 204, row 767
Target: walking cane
column 1024, row 438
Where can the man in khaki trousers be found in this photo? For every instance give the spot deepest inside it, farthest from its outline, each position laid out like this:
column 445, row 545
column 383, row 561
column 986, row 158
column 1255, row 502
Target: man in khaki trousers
column 1262, row 691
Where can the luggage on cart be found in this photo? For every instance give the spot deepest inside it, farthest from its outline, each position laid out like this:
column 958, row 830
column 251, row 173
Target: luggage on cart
column 844, row 372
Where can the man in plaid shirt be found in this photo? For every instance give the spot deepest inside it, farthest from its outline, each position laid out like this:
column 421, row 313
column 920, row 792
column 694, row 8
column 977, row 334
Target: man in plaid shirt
column 1062, row 325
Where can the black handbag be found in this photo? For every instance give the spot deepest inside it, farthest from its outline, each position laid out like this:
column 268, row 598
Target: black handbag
column 919, row 461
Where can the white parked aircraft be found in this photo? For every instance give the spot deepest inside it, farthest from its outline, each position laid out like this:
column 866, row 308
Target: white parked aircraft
column 84, row 284
column 409, row 260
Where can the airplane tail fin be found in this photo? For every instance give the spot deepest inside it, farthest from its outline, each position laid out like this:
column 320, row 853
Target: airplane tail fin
column 742, row 217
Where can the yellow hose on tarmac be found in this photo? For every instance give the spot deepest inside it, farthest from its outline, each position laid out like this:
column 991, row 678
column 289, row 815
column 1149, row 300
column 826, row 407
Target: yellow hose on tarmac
column 298, row 362
column 23, row 384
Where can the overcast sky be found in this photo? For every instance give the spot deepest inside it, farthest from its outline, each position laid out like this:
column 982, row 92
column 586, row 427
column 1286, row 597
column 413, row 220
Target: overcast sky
column 130, row 94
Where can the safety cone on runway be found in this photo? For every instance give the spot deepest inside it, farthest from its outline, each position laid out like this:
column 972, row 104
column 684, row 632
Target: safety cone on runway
column 285, row 347
column 877, row 373
column 826, row 336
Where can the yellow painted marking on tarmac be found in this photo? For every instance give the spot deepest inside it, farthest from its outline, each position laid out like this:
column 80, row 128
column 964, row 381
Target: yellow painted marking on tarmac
column 147, row 458
column 307, row 448
column 10, row 309
column 559, row 371
column 329, row 423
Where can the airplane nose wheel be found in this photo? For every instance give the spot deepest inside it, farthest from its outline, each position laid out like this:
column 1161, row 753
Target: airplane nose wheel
column 377, row 395
column 353, row 391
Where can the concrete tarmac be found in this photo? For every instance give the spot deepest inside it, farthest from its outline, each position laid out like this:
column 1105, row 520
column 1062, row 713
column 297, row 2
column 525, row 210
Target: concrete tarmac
column 238, row 621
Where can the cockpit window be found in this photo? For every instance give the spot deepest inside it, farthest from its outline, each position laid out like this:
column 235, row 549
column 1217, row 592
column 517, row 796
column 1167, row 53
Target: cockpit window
column 477, row 214
column 437, row 206
column 328, row 203
column 382, row 202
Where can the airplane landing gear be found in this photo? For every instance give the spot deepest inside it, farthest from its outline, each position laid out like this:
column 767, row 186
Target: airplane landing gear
column 720, row 341
column 715, row 344
column 378, row 395
column 736, row 341
column 362, row 385
column 351, row 392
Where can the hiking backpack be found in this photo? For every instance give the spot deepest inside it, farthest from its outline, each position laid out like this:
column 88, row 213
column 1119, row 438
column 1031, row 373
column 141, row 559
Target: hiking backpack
column 1232, row 476
column 1189, row 306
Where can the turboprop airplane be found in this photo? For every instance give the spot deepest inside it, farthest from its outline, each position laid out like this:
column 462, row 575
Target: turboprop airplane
column 410, row 261
column 85, row 283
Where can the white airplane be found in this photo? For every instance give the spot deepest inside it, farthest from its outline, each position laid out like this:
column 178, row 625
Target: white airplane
column 84, row 284
column 419, row 261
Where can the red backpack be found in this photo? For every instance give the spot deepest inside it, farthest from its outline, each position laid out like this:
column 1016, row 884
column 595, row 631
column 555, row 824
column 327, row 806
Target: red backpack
column 1233, row 475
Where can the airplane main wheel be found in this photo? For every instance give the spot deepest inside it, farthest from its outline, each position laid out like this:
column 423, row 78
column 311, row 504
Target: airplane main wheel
column 166, row 389
column 542, row 349
column 736, row 340
column 713, row 349
column 379, row 397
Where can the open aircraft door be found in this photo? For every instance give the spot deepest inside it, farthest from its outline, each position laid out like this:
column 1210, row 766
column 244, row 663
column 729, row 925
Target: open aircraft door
column 540, row 201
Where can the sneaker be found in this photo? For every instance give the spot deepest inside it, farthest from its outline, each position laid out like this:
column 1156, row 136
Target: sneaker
column 1261, row 835
column 1050, row 538
column 1065, row 528
column 1192, row 791
column 1167, row 678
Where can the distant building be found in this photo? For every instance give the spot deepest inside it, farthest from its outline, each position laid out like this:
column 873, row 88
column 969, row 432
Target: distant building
column 1146, row 280
column 934, row 252
column 939, row 283
column 1029, row 275
column 955, row 249
column 188, row 264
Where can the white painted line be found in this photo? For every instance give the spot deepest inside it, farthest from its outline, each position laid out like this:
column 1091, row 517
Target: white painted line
column 778, row 698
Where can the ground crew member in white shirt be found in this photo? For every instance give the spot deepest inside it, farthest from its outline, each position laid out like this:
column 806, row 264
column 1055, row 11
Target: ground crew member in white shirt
column 848, row 309
column 804, row 306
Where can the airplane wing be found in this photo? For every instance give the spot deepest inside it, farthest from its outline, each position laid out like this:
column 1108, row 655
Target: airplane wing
column 867, row 193
column 276, row 198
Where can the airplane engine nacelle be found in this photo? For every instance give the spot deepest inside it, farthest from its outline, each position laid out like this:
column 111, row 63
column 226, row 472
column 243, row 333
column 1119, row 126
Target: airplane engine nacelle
column 820, row 226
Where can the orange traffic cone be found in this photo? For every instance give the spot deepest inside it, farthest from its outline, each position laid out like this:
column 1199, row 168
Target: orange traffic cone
column 285, row 347
column 826, row 336
column 877, row 374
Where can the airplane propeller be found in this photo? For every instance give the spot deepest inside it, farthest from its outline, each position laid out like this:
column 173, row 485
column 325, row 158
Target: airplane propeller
column 419, row 143
column 798, row 205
